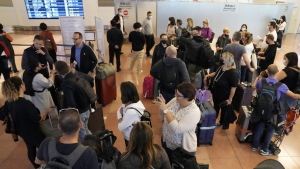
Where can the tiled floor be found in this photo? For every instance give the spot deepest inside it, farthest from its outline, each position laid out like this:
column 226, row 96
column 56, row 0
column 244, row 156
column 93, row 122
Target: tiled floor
column 225, row 153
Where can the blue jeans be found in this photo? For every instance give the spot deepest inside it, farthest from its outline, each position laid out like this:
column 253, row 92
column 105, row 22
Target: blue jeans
column 260, row 127
column 84, row 130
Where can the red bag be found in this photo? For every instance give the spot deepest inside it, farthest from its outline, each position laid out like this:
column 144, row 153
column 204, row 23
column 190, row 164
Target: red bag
column 291, row 117
column 148, row 87
column 5, row 49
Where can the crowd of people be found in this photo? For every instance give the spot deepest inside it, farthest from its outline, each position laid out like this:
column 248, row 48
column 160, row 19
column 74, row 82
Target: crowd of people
column 32, row 97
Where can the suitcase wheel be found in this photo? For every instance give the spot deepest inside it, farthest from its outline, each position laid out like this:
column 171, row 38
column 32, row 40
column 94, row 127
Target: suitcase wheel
column 277, row 151
column 210, row 144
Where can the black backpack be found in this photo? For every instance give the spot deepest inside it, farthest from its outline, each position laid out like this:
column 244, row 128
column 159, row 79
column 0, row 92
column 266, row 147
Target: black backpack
column 145, row 117
column 170, row 77
column 205, row 55
column 297, row 88
column 212, row 37
column 183, row 159
column 267, row 100
column 60, row 161
column 86, row 87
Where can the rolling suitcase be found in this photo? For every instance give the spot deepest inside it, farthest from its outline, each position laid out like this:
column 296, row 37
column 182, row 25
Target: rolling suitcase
column 105, row 82
column 243, row 125
column 96, row 120
column 242, row 96
column 206, row 127
column 148, row 87
column 49, row 127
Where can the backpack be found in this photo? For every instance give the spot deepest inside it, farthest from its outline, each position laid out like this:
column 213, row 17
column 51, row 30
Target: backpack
column 170, row 77
column 212, row 37
column 297, row 88
column 60, row 161
column 86, row 87
column 267, row 100
column 205, row 55
column 183, row 159
column 3, row 42
column 145, row 117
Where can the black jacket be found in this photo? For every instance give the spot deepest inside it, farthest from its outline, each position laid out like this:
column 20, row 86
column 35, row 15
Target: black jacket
column 222, row 42
column 269, row 54
column 88, row 60
column 74, row 95
column 158, row 53
column 30, row 54
column 193, row 45
column 114, row 37
column 117, row 18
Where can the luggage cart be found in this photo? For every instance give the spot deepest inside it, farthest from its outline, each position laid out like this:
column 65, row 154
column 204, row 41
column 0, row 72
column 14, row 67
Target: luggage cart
column 285, row 128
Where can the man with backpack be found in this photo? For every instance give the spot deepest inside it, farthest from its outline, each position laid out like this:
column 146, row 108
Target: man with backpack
column 170, row 71
column 265, row 116
column 66, row 151
column 77, row 94
column 198, row 52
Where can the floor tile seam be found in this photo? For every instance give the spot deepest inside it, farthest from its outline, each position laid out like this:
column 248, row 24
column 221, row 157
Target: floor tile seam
column 227, row 135
column 296, row 162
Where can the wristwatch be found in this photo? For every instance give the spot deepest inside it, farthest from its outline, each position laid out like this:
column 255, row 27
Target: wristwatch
column 166, row 111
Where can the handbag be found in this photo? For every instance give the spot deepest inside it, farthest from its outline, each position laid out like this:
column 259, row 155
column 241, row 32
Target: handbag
column 49, row 127
column 10, row 127
column 104, row 70
column 48, row 43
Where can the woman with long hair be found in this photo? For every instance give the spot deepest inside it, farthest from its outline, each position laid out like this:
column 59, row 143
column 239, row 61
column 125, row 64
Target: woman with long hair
column 224, row 82
column 25, row 115
column 171, row 28
column 131, row 109
column 190, row 24
column 141, row 151
column 206, row 32
column 289, row 76
column 37, row 86
column 281, row 27
column 247, row 41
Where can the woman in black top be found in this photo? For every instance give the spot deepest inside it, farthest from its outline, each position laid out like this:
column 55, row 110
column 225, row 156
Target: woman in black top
column 225, row 80
column 25, row 115
column 289, row 76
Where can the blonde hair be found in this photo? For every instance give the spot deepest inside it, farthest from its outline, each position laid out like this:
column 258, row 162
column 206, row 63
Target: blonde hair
column 190, row 22
column 248, row 38
column 11, row 87
column 206, row 21
column 229, row 60
column 225, row 29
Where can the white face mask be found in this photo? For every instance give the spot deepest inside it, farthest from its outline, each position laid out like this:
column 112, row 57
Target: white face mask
column 169, row 22
column 140, row 28
column 150, row 17
column 284, row 62
column 243, row 29
column 120, row 13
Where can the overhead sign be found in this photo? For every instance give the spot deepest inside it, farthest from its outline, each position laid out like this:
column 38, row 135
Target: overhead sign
column 229, row 8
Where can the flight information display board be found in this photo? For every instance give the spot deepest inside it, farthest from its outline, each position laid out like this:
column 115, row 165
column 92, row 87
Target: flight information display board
column 53, row 9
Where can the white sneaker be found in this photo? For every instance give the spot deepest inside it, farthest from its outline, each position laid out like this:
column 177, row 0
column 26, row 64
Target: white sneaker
column 139, row 72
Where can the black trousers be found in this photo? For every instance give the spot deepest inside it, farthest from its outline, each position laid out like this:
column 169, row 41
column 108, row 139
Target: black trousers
column 31, row 145
column 217, row 108
column 52, row 53
column 13, row 62
column 112, row 52
column 149, row 43
column 5, row 72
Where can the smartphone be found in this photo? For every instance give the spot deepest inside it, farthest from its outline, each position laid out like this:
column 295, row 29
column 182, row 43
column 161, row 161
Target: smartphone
column 258, row 37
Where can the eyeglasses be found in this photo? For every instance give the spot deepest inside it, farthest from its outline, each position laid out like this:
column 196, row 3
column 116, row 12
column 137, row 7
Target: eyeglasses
column 75, row 39
column 68, row 109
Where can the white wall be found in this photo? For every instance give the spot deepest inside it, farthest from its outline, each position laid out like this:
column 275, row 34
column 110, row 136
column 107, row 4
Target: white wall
column 143, row 8
column 106, row 13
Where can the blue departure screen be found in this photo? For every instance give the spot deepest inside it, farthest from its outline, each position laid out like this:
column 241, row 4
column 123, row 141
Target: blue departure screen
column 51, row 9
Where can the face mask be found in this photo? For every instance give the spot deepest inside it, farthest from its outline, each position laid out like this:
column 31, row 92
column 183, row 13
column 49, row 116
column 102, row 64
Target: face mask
column 140, row 28
column 244, row 29
column 169, row 22
column 163, row 41
column 150, row 17
column 284, row 63
column 120, row 13
column 226, row 36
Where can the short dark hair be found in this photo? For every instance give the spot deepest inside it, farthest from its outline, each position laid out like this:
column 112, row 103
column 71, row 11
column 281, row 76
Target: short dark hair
column 179, row 21
column 293, row 59
column 129, row 93
column 32, row 65
column 113, row 23
column 273, row 24
column 149, row 12
column 1, row 26
column 119, row 9
column 163, row 34
column 188, row 90
column 43, row 26
column 80, row 34
column 270, row 37
column 197, row 28
column 137, row 25
column 61, row 67
column 38, row 37
column 69, row 121
column 283, row 18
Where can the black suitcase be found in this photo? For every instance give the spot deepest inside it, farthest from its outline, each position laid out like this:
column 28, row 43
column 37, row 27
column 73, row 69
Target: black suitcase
column 206, row 128
column 242, row 96
column 243, row 125
column 96, row 120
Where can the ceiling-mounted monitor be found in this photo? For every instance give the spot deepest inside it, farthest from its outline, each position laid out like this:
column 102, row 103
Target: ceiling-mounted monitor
column 53, row 9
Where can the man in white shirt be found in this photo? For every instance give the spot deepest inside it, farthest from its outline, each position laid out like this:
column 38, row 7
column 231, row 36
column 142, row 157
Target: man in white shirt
column 272, row 30
column 120, row 23
column 148, row 32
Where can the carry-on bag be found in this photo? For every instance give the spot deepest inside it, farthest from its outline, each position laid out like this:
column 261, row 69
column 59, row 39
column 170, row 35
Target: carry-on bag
column 96, row 120
column 206, row 127
column 242, row 96
column 243, row 125
column 148, row 87
column 49, row 127
column 105, row 82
